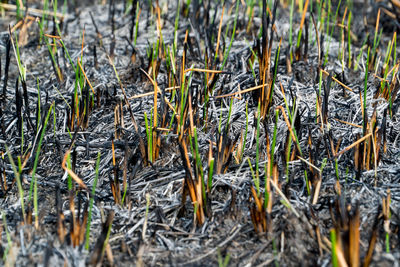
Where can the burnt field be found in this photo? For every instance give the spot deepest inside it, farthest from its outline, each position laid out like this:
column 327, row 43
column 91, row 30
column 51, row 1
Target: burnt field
column 196, row 133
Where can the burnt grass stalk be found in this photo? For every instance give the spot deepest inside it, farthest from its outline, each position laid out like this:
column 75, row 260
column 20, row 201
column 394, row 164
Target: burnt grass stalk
column 193, row 132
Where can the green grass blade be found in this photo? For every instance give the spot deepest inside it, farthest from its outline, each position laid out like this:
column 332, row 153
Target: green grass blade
column 92, row 201
column 18, row 178
column 34, row 179
column 335, row 262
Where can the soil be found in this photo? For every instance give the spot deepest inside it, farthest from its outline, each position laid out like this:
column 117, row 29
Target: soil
column 157, row 224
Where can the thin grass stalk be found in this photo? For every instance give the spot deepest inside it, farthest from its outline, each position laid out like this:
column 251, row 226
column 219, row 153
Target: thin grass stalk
column 233, row 35
column 184, row 98
column 220, row 120
column 335, row 262
column 21, row 68
column 146, row 216
column 395, row 49
column 331, row 32
column 22, row 135
column 175, row 44
column 7, row 66
column 274, row 140
column 365, row 95
column 390, row 87
column 66, row 52
column 376, row 32
column 328, row 17
column 20, row 6
column 256, row 181
column 290, row 136
column 182, row 80
column 108, row 232
column 198, row 163
column 320, row 17
column 342, row 50
column 223, row 262
column 318, row 102
column 387, row 214
column 55, row 64
column 361, row 52
column 291, row 24
column 300, row 4
column 155, row 118
column 304, row 11
column 210, row 174
column 19, row 184
column 38, row 110
column 92, row 201
column 349, row 39
column 190, row 184
column 387, row 60
column 55, row 5
column 125, row 174
column 69, row 178
column 34, row 179
column 258, row 145
column 267, row 189
column 354, row 239
column 229, row 115
column 218, row 39
column 115, row 183
column 291, row 128
column 275, row 72
column 246, row 131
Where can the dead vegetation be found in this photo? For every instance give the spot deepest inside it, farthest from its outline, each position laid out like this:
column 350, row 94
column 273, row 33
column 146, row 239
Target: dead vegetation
column 199, row 133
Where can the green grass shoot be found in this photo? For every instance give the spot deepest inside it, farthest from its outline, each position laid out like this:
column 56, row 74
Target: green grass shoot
column 92, row 201
column 34, row 178
column 335, row 262
column 19, row 184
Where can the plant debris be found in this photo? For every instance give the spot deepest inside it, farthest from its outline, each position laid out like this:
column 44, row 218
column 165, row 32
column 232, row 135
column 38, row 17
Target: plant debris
column 199, row 133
